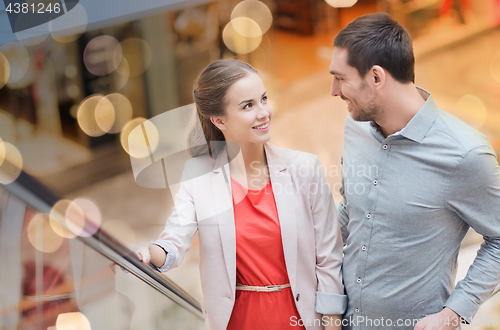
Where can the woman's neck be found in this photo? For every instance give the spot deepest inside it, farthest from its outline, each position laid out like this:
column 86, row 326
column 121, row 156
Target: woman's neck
column 248, row 163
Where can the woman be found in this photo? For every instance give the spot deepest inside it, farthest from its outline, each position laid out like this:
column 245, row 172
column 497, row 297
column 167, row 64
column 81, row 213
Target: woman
column 270, row 245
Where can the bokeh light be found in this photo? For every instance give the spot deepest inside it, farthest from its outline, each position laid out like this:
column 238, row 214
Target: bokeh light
column 4, row 70
column 495, row 67
column 120, row 230
column 73, row 91
column 73, row 111
column 75, row 219
column 69, row 218
column 102, row 55
column 70, row 26
column 41, row 235
column 243, row 42
column 134, row 141
column 471, row 109
column 341, row 3
column 124, row 136
column 8, row 131
column 123, row 111
column 70, row 71
column 256, row 11
column 123, row 71
column 133, row 49
column 104, row 114
column 58, row 214
column 92, row 214
column 246, row 27
column 72, row 321
column 27, row 79
column 19, row 61
column 11, row 163
column 113, row 112
column 86, row 116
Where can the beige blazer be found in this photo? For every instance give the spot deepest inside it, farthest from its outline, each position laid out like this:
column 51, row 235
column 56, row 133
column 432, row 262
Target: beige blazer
column 309, row 228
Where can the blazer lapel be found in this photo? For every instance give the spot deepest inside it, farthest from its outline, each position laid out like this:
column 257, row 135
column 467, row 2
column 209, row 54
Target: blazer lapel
column 221, row 189
column 285, row 201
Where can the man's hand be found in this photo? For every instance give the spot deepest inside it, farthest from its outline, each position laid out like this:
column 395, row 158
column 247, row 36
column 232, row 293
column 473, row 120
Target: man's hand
column 447, row 319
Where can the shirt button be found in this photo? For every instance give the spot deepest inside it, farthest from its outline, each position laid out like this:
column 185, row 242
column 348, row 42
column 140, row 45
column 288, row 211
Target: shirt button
column 385, row 147
column 363, row 248
column 375, row 182
column 368, row 215
column 358, row 280
column 357, row 310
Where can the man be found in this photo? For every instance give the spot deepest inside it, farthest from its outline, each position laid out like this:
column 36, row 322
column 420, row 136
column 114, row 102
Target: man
column 414, row 179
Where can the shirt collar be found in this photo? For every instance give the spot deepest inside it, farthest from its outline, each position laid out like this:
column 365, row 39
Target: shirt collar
column 419, row 125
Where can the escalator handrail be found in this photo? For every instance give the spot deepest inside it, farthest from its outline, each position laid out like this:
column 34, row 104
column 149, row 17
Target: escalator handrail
column 41, row 198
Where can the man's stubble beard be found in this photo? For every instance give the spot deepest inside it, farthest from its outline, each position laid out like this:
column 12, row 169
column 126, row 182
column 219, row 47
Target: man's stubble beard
column 369, row 111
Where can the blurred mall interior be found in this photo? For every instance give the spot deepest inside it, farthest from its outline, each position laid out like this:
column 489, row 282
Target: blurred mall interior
column 69, row 101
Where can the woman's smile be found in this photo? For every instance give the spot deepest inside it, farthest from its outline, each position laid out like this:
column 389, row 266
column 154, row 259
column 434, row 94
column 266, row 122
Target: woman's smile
column 262, row 127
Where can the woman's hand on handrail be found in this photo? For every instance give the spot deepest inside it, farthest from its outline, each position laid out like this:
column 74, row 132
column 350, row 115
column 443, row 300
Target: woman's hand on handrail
column 151, row 253
column 142, row 253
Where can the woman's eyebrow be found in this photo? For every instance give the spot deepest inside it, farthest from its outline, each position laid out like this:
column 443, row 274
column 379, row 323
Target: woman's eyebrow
column 246, row 101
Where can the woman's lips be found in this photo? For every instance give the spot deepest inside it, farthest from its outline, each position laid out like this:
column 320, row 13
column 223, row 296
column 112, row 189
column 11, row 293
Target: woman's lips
column 262, row 127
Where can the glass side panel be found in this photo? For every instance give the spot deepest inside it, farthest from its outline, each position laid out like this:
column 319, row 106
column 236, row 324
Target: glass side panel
column 48, row 282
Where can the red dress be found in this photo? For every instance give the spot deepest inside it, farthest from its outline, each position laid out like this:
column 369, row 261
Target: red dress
column 260, row 261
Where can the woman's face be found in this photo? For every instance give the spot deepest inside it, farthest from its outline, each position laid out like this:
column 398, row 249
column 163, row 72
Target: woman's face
column 248, row 114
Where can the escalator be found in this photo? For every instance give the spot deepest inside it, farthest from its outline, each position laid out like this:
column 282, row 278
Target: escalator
column 78, row 277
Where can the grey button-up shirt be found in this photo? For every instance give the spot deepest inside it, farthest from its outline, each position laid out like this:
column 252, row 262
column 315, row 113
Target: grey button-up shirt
column 408, row 201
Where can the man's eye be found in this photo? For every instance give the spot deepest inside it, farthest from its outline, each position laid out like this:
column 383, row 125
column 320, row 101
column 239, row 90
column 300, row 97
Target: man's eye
column 338, row 78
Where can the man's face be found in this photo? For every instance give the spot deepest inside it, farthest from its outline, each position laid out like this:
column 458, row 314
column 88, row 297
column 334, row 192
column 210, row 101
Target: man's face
column 352, row 88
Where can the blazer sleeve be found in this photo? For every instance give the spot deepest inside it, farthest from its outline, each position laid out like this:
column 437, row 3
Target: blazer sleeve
column 330, row 297
column 181, row 226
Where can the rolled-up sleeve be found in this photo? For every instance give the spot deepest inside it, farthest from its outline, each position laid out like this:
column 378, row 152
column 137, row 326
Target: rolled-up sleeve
column 330, row 303
column 170, row 252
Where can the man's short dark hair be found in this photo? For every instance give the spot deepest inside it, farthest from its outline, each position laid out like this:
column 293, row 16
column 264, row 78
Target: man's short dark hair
column 377, row 39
